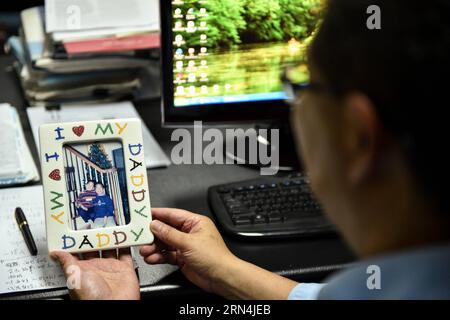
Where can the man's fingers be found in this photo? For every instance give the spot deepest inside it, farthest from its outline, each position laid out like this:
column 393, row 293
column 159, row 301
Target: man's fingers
column 161, row 246
column 169, row 235
column 64, row 258
column 156, row 258
column 173, row 217
column 162, row 258
column 145, row 251
column 157, row 246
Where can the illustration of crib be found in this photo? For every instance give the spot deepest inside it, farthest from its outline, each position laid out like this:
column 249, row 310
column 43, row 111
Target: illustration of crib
column 79, row 169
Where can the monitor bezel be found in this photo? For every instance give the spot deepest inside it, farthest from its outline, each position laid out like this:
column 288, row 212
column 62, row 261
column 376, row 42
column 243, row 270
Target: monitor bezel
column 241, row 112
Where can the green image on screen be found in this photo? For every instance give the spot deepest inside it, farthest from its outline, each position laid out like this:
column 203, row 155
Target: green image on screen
column 228, row 51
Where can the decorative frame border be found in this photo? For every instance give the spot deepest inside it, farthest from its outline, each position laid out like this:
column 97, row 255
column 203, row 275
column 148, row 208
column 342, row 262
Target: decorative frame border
column 59, row 234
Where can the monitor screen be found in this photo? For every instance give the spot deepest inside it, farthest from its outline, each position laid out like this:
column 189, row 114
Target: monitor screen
column 227, row 52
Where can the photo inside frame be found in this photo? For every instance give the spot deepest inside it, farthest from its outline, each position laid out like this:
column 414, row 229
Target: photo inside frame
column 96, row 185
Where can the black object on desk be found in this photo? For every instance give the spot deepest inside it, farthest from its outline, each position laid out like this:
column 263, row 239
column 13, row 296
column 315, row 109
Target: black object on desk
column 25, row 229
column 275, row 207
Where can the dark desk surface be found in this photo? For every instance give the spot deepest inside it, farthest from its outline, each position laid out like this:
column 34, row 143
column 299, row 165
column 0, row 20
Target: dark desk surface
column 185, row 186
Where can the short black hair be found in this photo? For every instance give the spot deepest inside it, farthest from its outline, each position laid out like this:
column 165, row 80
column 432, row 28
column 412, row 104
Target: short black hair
column 99, row 183
column 402, row 67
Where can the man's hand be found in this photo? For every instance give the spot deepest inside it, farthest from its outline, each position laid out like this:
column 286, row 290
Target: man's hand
column 106, row 278
column 192, row 242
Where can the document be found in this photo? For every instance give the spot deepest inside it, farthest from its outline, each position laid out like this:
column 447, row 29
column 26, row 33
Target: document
column 19, row 271
column 9, row 153
column 17, row 165
column 73, row 15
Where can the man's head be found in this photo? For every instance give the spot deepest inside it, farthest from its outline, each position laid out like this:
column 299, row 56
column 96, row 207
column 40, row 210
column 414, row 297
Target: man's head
column 89, row 185
column 373, row 138
column 100, row 189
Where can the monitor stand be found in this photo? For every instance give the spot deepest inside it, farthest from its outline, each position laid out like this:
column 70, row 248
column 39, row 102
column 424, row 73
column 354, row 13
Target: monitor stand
column 288, row 158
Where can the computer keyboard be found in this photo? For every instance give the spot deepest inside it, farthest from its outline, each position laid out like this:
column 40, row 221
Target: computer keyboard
column 274, row 207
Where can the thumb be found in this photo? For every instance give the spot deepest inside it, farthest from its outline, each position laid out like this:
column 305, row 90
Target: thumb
column 169, row 235
column 64, row 258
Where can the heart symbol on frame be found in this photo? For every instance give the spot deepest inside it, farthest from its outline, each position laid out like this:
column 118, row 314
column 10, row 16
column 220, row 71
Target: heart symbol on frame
column 55, row 175
column 78, row 130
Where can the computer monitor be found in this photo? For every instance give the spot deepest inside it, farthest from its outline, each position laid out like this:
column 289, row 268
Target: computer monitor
column 222, row 60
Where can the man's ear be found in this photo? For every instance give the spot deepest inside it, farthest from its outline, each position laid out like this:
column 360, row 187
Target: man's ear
column 361, row 136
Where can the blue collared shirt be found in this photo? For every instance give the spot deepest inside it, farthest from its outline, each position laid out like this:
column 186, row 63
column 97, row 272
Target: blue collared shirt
column 306, row 291
column 417, row 274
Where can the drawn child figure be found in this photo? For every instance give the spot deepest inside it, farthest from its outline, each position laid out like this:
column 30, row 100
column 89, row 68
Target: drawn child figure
column 103, row 215
column 85, row 201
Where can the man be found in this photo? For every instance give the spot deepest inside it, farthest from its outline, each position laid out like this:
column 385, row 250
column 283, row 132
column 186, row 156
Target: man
column 372, row 131
column 103, row 215
column 84, row 202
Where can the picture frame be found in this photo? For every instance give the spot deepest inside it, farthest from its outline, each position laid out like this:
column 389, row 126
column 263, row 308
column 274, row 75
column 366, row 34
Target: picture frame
column 96, row 194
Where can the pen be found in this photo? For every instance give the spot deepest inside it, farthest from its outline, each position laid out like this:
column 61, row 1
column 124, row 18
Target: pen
column 25, row 229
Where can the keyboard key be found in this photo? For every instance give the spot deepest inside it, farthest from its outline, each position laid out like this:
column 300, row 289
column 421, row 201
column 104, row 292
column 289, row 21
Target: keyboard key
column 240, row 211
column 274, row 219
column 223, row 190
column 240, row 221
column 259, row 219
column 272, row 205
column 233, row 204
column 296, row 175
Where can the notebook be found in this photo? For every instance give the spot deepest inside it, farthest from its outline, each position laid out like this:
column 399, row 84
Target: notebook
column 66, row 15
column 17, row 165
column 19, row 271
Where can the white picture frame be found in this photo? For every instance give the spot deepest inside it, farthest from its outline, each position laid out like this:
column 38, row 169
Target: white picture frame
column 62, row 186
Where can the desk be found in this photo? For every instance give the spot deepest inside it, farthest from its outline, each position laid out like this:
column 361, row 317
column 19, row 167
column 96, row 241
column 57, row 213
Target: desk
column 185, row 186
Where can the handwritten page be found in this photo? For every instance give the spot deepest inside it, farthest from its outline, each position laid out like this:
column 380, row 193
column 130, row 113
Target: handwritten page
column 19, row 271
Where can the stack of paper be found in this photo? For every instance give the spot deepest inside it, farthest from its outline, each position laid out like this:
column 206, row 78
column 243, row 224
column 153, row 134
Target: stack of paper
column 92, row 50
column 103, row 25
column 17, row 165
